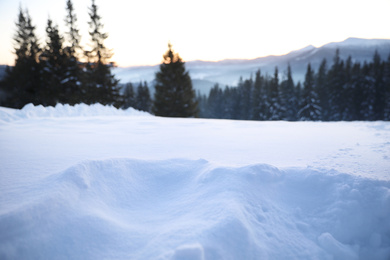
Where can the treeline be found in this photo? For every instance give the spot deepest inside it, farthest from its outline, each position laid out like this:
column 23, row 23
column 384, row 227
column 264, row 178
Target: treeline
column 346, row 90
column 61, row 70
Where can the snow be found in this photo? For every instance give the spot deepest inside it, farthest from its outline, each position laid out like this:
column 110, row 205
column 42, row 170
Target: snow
column 358, row 42
column 94, row 182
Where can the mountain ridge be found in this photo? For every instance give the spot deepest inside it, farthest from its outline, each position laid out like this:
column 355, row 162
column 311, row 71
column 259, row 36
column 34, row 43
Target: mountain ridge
column 229, row 71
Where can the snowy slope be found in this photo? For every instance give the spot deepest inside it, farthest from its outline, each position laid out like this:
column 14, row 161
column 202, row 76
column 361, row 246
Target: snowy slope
column 93, row 182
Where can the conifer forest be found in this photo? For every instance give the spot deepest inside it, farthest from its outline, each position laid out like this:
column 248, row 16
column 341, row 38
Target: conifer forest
column 63, row 71
column 344, row 90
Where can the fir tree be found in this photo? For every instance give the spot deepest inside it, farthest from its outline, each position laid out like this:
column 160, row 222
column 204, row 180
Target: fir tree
column 335, row 85
column 322, row 90
column 215, row 102
column 347, row 110
column 23, row 82
column 288, row 97
column 246, row 99
column 387, row 89
column 53, row 62
column 143, row 99
column 309, row 108
column 358, row 98
column 174, row 96
column 379, row 87
column 74, row 72
column 129, row 96
column 101, row 85
column 258, row 100
column 275, row 108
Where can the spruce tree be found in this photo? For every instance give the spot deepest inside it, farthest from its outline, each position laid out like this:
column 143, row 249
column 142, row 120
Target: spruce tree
column 215, row 104
column 143, row 99
column 74, row 71
column 101, row 85
column 322, row 90
column 275, row 108
column 310, row 109
column 129, row 96
column 358, row 92
column 258, row 100
column 348, row 92
column 53, row 63
column 23, row 82
column 245, row 89
column 379, row 87
column 288, row 97
column 336, row 83
column 387, row 89
column 174, row 95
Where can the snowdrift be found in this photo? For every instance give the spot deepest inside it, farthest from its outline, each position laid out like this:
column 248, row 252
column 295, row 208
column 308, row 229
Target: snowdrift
column 60, row 111
column 184, row 209
column 94, row 182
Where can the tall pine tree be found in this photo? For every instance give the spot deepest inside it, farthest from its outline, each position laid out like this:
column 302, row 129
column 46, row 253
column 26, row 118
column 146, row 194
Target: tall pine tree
column 310, row 109
column 74, row 71
column 53, row 62
column 101, row 85
column 143, row 99
column 275, row 107
column 174, row 95
column 23, row 82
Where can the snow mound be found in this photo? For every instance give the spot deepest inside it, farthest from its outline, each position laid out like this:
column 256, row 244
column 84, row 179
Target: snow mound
column 60, row 110
column 185, row 209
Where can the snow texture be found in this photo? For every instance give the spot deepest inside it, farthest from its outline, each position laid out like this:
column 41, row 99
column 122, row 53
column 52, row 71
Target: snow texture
column 93, row 182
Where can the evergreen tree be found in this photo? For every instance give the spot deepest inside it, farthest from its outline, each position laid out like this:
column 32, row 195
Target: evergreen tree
column 358, row 96
column 368, row 92
column 143, row 99
column 275, row 108
column 309, row 108
column 387, row 89
column 202, row 104
column 22, row 83
column 245, row 89
column 348, row 112
column 288, row 97
column 215, row 103
column 74, row 37
column 258, row 100
column 323, row 90
column 335, row 85
column 129, row 96
column 379, row 87
column 53, row 62
column 101, row 85
column 174, row 96
column 74, row 71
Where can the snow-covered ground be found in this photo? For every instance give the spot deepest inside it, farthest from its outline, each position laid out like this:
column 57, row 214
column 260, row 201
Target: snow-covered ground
column 93, row 182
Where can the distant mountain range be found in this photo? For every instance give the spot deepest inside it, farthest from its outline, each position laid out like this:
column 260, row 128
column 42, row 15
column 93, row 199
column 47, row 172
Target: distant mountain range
column 205, row 74
column 227, row 72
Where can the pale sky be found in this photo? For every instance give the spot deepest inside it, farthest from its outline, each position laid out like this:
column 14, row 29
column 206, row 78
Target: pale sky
column 139, row 30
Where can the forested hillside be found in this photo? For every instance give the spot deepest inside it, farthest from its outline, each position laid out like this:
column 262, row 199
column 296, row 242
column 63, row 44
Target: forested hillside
column 343, row 90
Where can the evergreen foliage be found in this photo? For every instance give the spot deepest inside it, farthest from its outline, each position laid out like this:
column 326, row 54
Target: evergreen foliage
column 22, row 83
column 310, row 110
column 99, row 79
column 347, row 91
column 60, row 71
column 174, row 96
column 53, row 60
column 55, row 73
column 129, row 96
column 143, row 100
column 73, row 91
